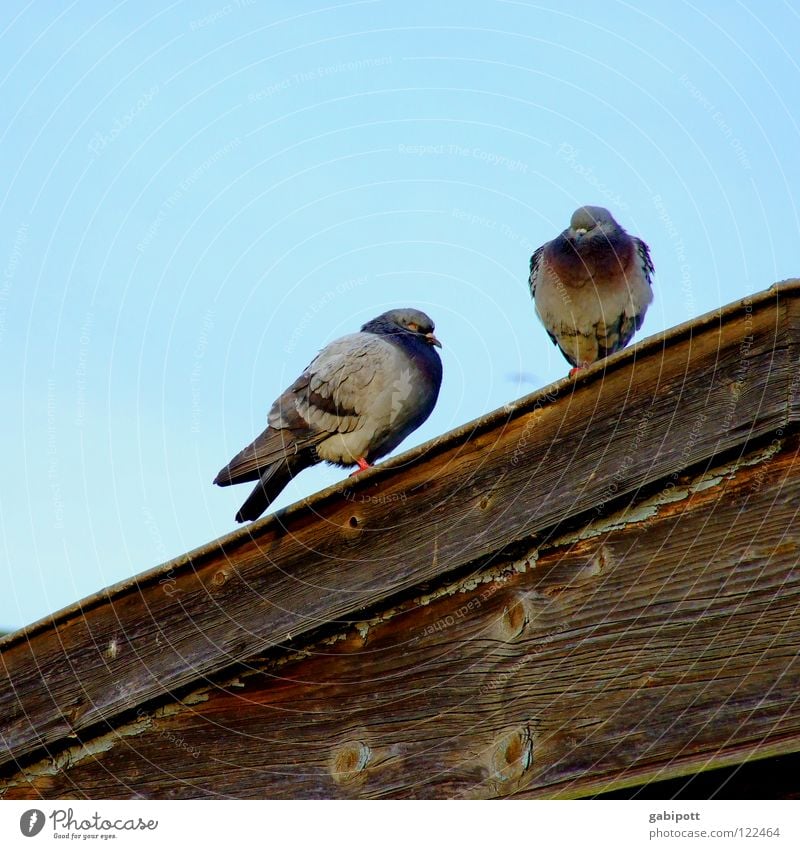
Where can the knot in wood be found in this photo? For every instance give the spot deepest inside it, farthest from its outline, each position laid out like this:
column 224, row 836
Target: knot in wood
column 349, row 761
column 515, row 618
column 512, row 755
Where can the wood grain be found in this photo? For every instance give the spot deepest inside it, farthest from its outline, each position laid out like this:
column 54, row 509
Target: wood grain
column 656, row 649
column 456, row 504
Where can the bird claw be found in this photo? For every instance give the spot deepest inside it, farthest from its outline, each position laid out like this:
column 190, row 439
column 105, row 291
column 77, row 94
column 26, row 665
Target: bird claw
column 574, row 371
column 363, row 465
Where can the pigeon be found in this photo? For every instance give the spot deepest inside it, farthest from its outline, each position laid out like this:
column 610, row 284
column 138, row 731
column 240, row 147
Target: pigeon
column 591, row 286
column 357, row 400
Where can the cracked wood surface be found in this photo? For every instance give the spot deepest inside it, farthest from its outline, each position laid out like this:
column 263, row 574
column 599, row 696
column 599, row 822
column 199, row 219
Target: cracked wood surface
column 652, row 650
column 645, row 414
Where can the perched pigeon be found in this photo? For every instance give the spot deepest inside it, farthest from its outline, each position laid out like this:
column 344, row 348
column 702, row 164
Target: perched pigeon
column 359, row 398
column 591, row 286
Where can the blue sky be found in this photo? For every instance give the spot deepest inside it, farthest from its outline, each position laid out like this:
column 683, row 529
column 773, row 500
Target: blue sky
column 196, row 197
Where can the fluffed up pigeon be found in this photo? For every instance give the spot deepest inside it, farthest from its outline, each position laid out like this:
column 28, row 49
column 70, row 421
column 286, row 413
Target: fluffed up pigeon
column 591, row 286
column 358, row 399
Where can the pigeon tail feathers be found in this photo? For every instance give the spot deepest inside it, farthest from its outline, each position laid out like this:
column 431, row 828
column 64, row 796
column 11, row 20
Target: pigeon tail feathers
column 274, row 480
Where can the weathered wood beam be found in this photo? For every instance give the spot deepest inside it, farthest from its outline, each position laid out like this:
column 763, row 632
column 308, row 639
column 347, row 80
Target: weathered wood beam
column 652, row 643
column 456, row 503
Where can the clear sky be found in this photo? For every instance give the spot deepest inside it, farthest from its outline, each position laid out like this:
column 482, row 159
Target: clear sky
column 198, row 196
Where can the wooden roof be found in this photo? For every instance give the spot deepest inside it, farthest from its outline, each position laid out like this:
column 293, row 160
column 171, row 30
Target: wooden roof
column 524, row 491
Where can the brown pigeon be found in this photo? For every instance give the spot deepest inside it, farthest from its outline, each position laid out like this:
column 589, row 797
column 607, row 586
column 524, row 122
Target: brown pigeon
column 358, row 399
column 591, row 286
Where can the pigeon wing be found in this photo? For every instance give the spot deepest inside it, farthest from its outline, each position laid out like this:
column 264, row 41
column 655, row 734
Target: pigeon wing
column 536, row 263
column 646, row 263
column 338, row 390
column 536, row 270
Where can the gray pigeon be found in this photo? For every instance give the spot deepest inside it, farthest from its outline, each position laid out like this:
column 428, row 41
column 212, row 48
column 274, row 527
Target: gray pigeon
column 358, row 399
column 591, row 286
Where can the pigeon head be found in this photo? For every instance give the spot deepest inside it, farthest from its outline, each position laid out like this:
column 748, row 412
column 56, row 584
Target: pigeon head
column 591, row 221
column 408, row 323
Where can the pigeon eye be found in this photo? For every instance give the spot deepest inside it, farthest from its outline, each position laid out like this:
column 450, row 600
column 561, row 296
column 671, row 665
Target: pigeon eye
column 414, row 328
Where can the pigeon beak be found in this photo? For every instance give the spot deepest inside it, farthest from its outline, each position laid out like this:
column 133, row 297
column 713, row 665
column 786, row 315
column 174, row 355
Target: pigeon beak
column 432, row 340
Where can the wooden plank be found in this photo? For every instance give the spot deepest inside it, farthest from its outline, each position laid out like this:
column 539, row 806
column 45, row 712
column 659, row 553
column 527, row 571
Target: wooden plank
column 644, row 414
column 638, row 653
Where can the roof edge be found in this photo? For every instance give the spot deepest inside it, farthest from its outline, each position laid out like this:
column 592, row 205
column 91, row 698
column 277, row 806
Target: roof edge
column 549, row 394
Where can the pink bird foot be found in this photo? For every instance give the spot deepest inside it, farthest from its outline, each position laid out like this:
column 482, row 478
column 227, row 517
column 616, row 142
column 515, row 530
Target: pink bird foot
column 362, row 466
